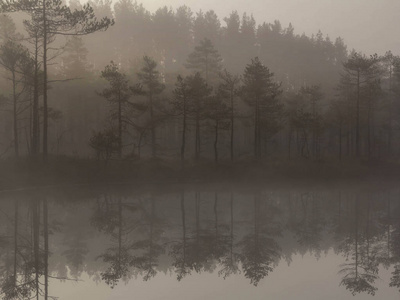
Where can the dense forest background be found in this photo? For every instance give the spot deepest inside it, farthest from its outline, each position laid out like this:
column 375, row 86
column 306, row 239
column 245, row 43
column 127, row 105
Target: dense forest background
column 178, row 84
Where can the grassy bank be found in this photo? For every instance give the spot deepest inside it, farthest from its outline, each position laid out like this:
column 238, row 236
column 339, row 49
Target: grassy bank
column 66, row 170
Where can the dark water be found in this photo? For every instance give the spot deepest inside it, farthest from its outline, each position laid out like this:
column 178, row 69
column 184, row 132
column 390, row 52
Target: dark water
column 197, row 243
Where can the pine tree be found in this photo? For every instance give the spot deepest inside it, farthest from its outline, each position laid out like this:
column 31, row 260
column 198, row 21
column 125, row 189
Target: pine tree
column 228, row 90
column 52, row 18
column 359, row 71
column 118, row 95
column 74, row 64
column 206, row 60
column 199, row 92
column 181, row 107
column 261, row 93
column 149, row 77
column 13, row 57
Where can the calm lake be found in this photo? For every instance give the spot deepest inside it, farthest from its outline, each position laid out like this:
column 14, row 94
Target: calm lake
column 188, row 242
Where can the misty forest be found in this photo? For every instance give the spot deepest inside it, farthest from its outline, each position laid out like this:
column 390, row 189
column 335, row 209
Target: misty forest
column 179, row 154
column 102, row 82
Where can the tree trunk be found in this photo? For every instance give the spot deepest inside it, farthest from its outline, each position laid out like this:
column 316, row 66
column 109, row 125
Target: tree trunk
column 35, row 108
column 119, row 128
column 183, row 145
column 183, row 229
column 369, row 130
column 45, row 108
column 153, row 129
column 256, row 133
column 15, row 115
column 340, row 142
column 289, row 142
column 358, row 116
column 232, row 125
column 197, row 138
column 216, row 141
column 15, row 241
column 36, row 231
column 46, row 248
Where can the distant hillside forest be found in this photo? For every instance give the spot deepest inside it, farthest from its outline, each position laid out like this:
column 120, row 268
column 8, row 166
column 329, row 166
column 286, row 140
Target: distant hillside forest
column 118, row 82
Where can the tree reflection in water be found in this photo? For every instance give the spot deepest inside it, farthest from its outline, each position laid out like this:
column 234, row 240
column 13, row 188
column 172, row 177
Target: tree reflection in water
column 124, row 236
column 260, row 251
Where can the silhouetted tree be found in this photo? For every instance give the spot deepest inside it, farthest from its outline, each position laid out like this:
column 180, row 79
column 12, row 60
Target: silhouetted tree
column 118, row 95
column 199, row 92
column 260, row 92
column 206, row 60
column 149, row 77
column 54, row 18
column 218, row 112
column 74, row 64
column 206, row 26
column 228, row 90
column 13, row 56
column 181, row 106
column 359, row 71
column 105, row 144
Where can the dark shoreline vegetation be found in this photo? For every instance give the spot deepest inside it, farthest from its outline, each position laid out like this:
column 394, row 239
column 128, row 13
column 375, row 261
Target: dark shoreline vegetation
column 67, row 171
column 236, row 102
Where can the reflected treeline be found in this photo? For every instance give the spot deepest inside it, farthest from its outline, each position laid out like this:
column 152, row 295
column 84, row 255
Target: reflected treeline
column 122, row 237
column 24, row 248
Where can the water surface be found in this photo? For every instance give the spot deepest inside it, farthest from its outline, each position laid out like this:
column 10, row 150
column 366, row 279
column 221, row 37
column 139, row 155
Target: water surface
column 196, row 243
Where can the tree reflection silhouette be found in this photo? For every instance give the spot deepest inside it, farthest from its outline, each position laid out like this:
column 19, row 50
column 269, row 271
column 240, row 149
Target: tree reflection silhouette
column 199, row 249
column 260, row 251
column 109, row 218
column 150, row 248
column 179, row 248
column 199, row 232
column 17, row 280
column 29, row 263
column 361, row 270
column 395, row 250
column 229, row 260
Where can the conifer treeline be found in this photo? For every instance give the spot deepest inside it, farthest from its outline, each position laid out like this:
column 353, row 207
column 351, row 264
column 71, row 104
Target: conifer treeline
column 183, row 85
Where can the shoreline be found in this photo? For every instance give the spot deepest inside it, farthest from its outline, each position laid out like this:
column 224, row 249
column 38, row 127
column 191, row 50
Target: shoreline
column 63, row 171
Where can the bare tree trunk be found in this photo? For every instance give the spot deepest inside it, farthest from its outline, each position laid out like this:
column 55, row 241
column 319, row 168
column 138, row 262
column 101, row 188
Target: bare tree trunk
column 45, row 107
column 358, row 116
column 232, row 124
column 340, row 142
column 16, row 143
column 216, row 141
column 256, row 132
column 119, row 230
column 36, row 230
column 15, row 241
column 197, row 138
column 183, row 228
column 183, row 145
column 119, row 127
column 289, row 142
column 369, row 131
column 153, row 129
column 35, row 108
column 46, row 248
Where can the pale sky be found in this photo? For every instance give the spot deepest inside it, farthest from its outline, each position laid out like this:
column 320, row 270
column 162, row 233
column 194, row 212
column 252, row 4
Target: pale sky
column 370, row 26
